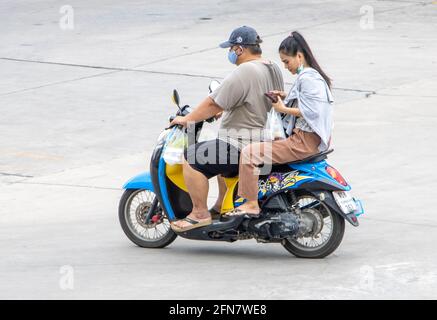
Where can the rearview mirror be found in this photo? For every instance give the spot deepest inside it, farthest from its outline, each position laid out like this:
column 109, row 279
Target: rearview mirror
column 213, row 85
column 175, row 98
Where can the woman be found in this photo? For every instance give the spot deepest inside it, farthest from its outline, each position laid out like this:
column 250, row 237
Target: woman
column 308, row 121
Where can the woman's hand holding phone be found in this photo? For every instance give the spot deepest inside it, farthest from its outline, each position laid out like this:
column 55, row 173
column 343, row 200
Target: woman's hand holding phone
column 281, row 94
column 271, row 96
column 277, row 103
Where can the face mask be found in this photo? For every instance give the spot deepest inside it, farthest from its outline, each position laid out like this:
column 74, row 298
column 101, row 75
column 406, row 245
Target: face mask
column 299, row 69
column 232, row 57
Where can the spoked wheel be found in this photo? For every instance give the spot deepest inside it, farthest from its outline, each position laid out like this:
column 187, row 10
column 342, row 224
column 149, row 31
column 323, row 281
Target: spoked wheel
column 325, row 232
column 145, row 229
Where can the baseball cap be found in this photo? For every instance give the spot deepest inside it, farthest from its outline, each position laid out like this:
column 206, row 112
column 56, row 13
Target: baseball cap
column 243, row 35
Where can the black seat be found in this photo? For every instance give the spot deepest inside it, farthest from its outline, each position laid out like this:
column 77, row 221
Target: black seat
column 311, row 159
column 314, row 158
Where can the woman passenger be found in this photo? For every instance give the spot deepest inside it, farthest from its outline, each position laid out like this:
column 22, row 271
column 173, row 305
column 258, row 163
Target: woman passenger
column 307, row 111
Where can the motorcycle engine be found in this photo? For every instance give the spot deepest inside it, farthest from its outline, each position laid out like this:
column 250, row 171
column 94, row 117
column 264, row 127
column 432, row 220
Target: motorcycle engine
column 274, row 226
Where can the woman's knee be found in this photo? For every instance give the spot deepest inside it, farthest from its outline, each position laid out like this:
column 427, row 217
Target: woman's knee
column 251, row 153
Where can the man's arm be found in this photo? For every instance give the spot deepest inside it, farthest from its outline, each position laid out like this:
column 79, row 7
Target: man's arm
column 205, row 110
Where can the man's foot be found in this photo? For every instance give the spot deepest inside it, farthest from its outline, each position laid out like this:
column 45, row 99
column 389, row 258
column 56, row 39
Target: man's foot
column 239, row 212
column 190, row 222
column 250, row 208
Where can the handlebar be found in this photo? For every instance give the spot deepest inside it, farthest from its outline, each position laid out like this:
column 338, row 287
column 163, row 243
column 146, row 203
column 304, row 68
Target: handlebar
column 183, row 112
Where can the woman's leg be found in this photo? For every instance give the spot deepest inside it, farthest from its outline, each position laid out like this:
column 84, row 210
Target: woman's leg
column 251, row 157
column 299, row 146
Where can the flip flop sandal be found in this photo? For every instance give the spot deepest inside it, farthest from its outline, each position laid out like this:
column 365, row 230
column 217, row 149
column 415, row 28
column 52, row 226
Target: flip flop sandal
column 239, row 212
column 193, row 224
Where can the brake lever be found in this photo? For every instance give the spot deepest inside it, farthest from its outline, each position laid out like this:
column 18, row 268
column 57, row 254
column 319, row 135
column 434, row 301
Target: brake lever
column 175, row 125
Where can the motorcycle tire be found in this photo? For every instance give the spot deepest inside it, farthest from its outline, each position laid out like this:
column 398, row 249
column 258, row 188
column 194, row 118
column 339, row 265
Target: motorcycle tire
column 338, row 228
column 129, row 230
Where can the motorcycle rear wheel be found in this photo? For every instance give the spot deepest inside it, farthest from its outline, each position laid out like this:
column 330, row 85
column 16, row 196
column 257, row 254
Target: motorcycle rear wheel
column 302, row 249
column 133, row 207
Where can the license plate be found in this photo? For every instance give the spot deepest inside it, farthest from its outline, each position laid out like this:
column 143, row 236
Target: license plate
column 345, row 201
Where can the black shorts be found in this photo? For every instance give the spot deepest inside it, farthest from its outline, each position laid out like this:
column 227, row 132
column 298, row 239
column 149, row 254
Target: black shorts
column 214, row 157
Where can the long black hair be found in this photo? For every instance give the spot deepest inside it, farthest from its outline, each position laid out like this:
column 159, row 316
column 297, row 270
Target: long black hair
column 296, row 43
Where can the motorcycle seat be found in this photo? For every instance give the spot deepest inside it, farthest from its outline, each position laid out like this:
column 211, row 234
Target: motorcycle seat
column 311, row 159
column 282, row 168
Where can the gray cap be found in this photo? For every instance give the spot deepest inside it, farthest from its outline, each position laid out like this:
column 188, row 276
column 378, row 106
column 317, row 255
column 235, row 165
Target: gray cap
column 242, row 36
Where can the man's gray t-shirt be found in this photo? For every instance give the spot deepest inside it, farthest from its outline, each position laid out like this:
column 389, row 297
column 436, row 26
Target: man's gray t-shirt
column 241, row 96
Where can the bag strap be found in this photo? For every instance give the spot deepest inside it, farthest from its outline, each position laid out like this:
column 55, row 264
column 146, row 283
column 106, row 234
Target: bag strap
column 274, row 77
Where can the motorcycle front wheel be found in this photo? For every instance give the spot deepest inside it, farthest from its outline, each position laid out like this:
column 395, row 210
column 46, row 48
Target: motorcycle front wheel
column 133, row 209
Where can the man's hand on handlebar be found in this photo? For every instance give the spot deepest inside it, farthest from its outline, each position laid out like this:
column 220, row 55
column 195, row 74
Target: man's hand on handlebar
column 182, row 121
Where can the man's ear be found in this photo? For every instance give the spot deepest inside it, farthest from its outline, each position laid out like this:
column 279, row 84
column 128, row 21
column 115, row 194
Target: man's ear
column 241, row 49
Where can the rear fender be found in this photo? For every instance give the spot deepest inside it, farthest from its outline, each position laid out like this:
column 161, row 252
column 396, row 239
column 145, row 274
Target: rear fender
column 328, row 199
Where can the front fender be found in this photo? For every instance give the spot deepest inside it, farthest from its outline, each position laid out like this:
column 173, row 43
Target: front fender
column 141, row 181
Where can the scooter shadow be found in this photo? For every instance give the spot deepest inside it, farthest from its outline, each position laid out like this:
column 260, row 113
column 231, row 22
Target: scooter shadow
column 227, row 250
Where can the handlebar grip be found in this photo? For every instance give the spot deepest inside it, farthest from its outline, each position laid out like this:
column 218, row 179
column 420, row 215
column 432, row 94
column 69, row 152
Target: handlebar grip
column 210, row 119
column 170, row 119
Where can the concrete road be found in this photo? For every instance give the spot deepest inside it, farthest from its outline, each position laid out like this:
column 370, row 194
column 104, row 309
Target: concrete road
column 85, row 90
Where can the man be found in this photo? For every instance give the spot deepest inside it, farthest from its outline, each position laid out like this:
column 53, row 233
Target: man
column 241, row 99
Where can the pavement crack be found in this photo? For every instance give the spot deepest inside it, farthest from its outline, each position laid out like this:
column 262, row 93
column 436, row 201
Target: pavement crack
column 210, row 48
column 64, row 64
column 367, row 92
column 15, row 175
column 177, row 74
column 118, row 69
column 56, row 83
column 115, row 70
column 66, row 185
column 178, row 56
column 111, row 70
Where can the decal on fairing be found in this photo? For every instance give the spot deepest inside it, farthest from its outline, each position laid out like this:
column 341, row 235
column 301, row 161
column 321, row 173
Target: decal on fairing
column 278, row 181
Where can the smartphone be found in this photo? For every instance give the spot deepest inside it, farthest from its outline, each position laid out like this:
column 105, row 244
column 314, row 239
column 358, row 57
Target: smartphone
column 273, row 97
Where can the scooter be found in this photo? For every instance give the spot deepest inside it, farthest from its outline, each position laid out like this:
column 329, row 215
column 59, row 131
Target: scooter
column 304, row 204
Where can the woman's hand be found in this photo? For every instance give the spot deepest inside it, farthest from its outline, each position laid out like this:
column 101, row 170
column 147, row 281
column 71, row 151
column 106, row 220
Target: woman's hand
column 281, row 94
column 218, row 115
column 279, row 106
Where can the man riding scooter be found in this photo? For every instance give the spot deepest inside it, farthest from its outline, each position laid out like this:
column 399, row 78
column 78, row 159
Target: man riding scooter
column 241, row 99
